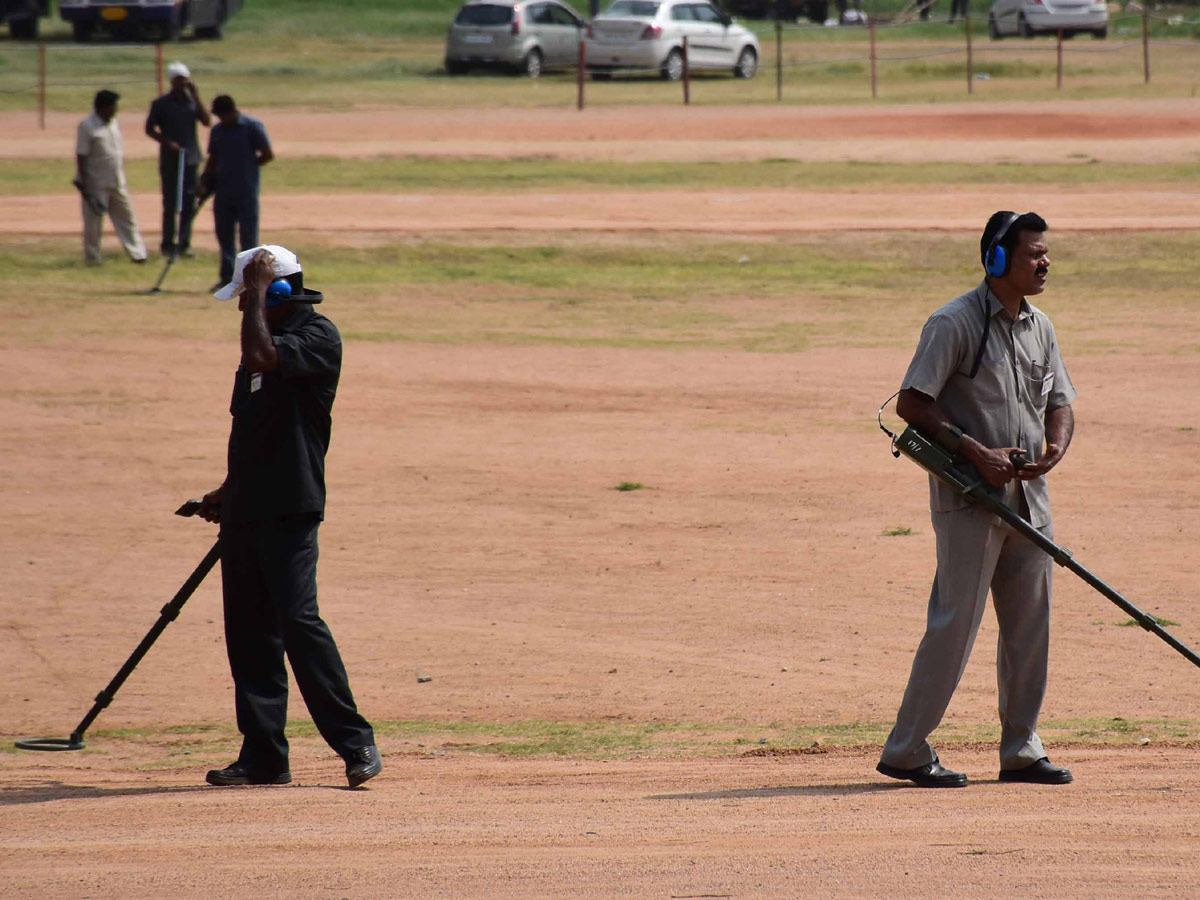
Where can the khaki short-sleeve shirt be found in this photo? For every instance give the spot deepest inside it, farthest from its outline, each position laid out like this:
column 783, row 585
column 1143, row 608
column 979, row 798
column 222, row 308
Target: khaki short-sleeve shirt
column 101, row 143
column 1021, row 377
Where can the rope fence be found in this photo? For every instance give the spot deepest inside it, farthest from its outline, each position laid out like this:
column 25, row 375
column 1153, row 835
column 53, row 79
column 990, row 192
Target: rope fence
column 1061, row 47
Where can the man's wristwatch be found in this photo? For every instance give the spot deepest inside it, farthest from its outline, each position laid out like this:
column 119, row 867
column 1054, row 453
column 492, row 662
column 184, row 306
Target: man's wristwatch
column 949, row 436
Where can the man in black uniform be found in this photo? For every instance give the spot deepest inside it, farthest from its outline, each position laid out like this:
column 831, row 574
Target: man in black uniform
column 269, row 509
column 172, row 123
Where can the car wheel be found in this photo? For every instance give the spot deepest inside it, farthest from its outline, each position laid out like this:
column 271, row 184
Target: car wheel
column 747, row 63
column 1023, row 29
column 213, row 32
column 23, row 29
column 601, row 76
column 672, row 67
column 993, row 31
column 1100, row 33
column 456, row 67
column 531, row 65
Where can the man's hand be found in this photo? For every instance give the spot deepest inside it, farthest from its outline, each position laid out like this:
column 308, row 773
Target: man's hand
column 993, row 463
column 258, row 275
column 173, row 146
column 1050, row 459
column 210, row 506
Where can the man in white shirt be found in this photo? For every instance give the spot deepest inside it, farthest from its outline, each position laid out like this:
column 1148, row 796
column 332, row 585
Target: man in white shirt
column 99, row 158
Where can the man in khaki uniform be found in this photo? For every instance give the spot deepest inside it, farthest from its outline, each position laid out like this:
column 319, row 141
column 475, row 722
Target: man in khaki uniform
column 987, row 381
column 99, row 158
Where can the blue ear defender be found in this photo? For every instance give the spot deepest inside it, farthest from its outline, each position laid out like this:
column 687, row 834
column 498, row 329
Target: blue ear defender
column 278, row 292
column 996, row 261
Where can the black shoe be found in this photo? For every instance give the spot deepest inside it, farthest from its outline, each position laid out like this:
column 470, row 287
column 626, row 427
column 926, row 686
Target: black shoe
column 932, row 775
column 236, row 773
column 217, row 286
column 362, row 765
column 187, row 253
column 1041, row 772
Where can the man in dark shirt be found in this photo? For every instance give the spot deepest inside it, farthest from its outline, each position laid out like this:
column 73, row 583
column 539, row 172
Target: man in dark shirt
column 172, row 123
column 269, row 509
column 237, row 148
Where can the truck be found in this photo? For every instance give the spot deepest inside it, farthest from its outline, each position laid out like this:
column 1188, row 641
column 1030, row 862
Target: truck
column 154, row 20
column 21, row 17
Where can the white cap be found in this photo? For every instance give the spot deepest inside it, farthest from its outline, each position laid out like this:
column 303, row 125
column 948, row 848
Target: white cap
column 175, row 69
column 285, row 264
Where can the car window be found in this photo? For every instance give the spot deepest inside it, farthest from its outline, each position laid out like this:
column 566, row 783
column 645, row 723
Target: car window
column 682, row 13
column 705, row 13
column 562, row 16
column 539, row 14
column 484, row 14
column 642, row 9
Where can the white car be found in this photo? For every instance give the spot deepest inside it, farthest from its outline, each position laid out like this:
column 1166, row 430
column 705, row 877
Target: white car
column 648, row 35
column 1025, row 18
column 528, row 37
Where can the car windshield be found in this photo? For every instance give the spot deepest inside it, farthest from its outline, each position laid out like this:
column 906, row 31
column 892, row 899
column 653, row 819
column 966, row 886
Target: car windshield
column 642, row 9
column 484, row 14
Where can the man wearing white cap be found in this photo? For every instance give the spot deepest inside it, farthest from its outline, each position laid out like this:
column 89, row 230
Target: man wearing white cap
column 172, row 123
column 269, row 509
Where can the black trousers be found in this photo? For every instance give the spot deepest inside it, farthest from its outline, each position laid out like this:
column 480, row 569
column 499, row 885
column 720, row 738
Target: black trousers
column 168, row 173
column 269, row 577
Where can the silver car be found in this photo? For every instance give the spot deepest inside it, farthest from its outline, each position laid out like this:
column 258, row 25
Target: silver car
column 528, row 37
column 648, row 35
column 1025, row 18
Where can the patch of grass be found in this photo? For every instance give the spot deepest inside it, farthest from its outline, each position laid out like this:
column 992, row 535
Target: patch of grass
column 1134, row 623
column 898, row 531
column 629, row 486
column 404, row 174
column 203, row 745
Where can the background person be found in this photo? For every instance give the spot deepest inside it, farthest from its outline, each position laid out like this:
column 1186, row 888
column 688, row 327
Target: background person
column 172, row 123
column 237, row 148
column 986, row 380
column 100, row 177
column 269, row 508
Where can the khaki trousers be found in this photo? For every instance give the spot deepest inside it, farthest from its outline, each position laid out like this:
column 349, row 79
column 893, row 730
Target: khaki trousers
column 120, row 210
column 975, row 552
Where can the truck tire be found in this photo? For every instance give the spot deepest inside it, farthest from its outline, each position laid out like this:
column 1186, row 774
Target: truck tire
column 82, row 31
column 213, row 32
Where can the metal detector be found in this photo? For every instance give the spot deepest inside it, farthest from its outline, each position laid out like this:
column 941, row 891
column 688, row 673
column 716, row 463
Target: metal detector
column 181, row 212
column 170, row 612
column 964, row 479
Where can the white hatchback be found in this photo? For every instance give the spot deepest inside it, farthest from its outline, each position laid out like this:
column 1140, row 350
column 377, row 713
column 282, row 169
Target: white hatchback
column 1025, row 18
column 648, row 35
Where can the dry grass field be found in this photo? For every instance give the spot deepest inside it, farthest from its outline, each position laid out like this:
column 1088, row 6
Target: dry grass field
column 675, row 690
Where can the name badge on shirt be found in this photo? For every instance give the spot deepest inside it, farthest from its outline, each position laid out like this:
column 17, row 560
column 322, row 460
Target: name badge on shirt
column 1047, row 383
column 256, row 383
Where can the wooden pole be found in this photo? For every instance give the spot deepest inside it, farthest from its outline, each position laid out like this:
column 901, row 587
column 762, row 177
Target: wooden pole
column 1146, row 40
column 970, row 58
column 778, row 59
column 42, row 85
column 1060, row 39
column 582, row 72
column 687, row 75
column 871, row 28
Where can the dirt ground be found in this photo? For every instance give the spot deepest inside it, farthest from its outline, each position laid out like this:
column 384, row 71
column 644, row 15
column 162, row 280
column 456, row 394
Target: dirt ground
column 473, row 537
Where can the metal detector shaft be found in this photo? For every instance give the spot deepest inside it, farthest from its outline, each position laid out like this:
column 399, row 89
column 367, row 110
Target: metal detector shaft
column 169, row 613
column 939, row 462
column 180, row 212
